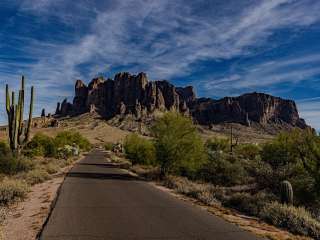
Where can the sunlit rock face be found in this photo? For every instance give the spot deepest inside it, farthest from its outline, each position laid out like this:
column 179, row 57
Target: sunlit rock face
column 136, row 95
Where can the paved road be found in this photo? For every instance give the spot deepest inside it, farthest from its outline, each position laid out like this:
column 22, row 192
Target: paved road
column 100, row 201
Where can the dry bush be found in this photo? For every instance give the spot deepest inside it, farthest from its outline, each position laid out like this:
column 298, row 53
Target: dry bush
column 251, row 204
column 12, row 190
column 206, row 193
column 51, row 168
column 148, row 172
column 36, row 176
column 296, row 219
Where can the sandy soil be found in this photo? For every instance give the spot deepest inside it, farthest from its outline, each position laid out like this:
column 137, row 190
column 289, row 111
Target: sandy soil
column 97, row 130
column 25, row 219
column 100, row 131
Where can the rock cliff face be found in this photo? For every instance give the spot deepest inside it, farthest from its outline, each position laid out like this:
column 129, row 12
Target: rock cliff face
column 134, row 94
column 246, row 109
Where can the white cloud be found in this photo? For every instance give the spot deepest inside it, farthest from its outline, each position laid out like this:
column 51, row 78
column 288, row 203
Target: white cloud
column 290, row 70
column 163, row 38
column 310, row 109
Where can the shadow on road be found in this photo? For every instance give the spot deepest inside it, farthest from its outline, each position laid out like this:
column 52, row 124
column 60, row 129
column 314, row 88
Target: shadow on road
column 104, row 165
column 107, row 176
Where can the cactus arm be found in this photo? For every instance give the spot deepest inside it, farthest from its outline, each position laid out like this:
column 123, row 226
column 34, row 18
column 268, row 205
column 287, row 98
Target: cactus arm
column 12, row 99
column 20, row 121
column 7, row 99
column 22, row 83
column 21, row 111
column 16, row 126
column 27, row 133
column 13, row 120
column 8, row 109
column 21, row 107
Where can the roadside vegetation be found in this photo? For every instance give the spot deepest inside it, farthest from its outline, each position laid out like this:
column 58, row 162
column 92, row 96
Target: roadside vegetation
column 42, row 157
column 25, row 161
column 278, row 182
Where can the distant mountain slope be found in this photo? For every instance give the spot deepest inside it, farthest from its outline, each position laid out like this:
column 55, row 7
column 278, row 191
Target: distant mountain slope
column 137, row 96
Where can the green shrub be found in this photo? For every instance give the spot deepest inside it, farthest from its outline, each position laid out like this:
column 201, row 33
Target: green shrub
column 291, row 147
column 68, row 151
column 295, row 219
column 224, row 169
column 108, row 146
column 179, row 147
column 4, row 149
column 248, row 151
column 276, row 154
column 218, row 144
column 36, row 176
column 51, row 168
column 10, row 164
column 12, row 190
column 293, row 156
column 70, row 138
column 139, row 150
column 251, row 204
column 41, row 145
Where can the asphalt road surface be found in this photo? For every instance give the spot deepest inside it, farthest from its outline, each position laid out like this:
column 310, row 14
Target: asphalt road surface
column 100, row 201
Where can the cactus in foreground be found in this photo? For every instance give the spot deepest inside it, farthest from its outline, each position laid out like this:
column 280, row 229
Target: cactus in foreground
column 18, row 133
column 286, row 192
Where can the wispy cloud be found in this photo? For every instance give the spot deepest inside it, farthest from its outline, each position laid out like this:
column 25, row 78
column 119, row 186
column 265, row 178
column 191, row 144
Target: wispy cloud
column 163, row 38
column 268, row 73
column 309, row 109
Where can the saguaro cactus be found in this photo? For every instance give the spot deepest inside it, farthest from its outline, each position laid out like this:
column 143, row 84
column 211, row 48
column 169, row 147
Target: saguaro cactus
column 18, row 133
column 286, row 192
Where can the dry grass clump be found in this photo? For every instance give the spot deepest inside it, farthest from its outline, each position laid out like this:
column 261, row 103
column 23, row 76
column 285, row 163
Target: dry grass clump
column 148, row 172
column 251, row 204
column 205, row 193
column 36, row 176
column 12, row 190
column 51, row 168
column 108, row 146
column 297, row 219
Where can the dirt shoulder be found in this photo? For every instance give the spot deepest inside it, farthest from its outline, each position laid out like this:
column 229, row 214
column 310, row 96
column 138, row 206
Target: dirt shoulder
column 25, row 219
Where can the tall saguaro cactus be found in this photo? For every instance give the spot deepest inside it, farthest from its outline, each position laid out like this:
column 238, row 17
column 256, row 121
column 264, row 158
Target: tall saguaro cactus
column 19, row 134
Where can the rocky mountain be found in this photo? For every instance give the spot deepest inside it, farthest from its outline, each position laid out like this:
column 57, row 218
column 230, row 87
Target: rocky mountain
column 136, row 95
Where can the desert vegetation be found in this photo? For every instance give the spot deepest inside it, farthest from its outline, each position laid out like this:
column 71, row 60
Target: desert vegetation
column 277, row 181
column 41, row 157
column 24, row 161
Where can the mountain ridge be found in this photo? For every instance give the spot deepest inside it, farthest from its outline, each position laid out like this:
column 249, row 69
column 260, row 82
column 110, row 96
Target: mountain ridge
column 136, row 95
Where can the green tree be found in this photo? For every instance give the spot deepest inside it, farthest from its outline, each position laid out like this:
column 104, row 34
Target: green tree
column 306, row 145
column 41, row 145
column 293, row 156
column 70, row 137
column 218, row 144
column 139, row 150
column 178, row 145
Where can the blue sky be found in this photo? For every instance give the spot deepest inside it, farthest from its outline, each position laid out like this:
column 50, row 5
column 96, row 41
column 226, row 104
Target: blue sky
column 221, row 47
